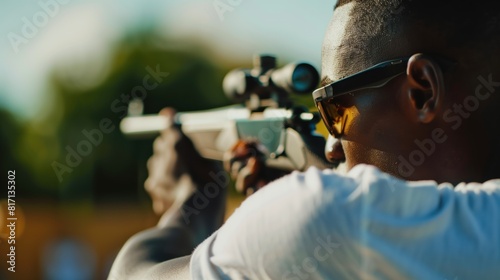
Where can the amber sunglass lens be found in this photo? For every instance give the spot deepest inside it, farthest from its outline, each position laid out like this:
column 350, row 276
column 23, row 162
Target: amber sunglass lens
column 330, row 116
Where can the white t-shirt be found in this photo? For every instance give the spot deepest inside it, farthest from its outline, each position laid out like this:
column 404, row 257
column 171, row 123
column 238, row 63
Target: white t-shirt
column 363, row 225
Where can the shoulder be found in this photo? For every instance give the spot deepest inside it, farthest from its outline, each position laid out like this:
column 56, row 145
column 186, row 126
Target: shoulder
column 295, row 218
column 324, row 220
column 273, row 228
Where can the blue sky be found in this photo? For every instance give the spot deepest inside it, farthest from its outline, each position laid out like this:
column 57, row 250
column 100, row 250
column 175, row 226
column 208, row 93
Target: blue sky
column 69, row 30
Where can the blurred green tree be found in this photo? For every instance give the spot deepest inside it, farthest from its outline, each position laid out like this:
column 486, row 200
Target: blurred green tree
column 56, row 150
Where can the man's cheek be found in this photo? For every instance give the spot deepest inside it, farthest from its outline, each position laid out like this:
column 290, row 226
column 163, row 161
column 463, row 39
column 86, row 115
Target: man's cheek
column 352, row 123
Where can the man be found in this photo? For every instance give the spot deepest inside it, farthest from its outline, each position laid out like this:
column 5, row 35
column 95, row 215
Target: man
column 426, row 113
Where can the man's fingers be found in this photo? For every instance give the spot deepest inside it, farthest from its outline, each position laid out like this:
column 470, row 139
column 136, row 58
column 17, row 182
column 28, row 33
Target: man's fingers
column 248, row 176
column 240, row 161
column 245, row 162
column 168, row 112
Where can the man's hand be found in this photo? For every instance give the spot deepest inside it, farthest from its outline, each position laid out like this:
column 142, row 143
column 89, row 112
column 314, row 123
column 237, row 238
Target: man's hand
column 245, row 162
column 176, row 169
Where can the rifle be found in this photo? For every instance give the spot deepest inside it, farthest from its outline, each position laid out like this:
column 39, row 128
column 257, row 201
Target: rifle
column 264, row 114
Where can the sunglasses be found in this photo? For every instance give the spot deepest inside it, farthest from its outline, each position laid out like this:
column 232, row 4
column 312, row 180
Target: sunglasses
column 376, row 76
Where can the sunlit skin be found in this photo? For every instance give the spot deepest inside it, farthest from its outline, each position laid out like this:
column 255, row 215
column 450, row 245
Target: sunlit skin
column 384, row 123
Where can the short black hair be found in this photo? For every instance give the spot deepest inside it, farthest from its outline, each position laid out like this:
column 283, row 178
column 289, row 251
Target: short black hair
column 458, row 24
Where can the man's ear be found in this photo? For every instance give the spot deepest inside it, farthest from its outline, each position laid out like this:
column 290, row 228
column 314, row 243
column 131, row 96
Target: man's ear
column 426, row 90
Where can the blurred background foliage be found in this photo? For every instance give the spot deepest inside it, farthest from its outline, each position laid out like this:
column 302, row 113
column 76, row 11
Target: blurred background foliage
column 113, row 170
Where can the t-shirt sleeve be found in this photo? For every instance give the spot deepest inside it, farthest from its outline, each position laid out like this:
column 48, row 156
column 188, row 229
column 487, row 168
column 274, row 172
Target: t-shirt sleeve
column 271, row 230
column 322, row 225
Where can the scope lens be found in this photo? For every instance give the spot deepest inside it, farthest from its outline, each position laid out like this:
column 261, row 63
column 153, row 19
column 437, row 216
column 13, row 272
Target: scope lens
column 303, row 79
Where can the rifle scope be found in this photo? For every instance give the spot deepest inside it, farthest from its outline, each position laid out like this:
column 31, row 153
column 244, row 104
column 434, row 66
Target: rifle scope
column 265, row 80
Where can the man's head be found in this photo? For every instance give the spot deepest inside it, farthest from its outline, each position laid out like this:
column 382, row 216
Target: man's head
column 437, row 119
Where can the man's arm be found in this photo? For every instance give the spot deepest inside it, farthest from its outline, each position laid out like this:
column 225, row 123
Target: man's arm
column 139, row 260
column 163, row 252
column 175, row 170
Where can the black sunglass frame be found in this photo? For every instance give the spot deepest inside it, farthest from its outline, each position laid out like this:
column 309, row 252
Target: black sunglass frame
column 375, row 76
